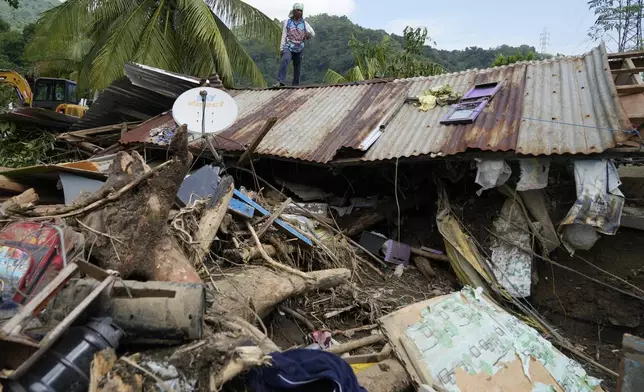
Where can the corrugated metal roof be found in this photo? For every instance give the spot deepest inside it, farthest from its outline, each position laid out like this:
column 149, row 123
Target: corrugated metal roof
column 560, row 106
column 314, row 123
column 143, row 93
column 565, row 105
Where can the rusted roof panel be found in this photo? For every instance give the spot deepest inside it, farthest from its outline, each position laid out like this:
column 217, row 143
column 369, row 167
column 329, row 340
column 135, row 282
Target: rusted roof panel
column 559, row 106
column 314, row 123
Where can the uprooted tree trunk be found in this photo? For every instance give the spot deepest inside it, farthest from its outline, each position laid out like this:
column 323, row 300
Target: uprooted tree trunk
column 262, row 289
column 236, row 345
column 130, row 234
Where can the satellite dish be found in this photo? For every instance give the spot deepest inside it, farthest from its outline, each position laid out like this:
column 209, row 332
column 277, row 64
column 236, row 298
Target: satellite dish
column 220, row 110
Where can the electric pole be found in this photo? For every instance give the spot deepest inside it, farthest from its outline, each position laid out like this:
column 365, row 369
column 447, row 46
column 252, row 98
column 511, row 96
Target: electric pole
column 545, row 40
column 632, row 35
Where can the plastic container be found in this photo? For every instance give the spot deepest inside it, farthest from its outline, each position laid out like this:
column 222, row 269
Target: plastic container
column 65, row 367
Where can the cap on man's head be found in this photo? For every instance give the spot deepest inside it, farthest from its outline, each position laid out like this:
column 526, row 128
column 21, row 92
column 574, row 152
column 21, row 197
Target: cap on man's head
column 298, row 6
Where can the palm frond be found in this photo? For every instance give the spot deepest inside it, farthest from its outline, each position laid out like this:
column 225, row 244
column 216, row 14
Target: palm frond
column 106, row 12
column 157, row 44
column 65, row 20
column 240, row 60
column 355, row 75
column 333, row 77
column 201, row 30
column 235, row 13
column 373, row 69
column 120, row 47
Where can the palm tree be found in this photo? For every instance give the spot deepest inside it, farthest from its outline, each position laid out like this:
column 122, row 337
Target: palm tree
column 195, row 37
column 370, row 59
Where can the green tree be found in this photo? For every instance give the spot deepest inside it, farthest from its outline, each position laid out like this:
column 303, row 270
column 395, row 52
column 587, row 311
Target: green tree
column 615, row 23
column 12, row 47
column 378, row 60
column 97, row 38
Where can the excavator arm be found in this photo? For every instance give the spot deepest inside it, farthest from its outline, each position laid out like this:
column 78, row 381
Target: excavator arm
column 20, row 84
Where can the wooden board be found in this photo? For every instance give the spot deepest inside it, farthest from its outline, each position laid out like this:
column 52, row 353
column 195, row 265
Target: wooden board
column 633, row 105
column 630, row 89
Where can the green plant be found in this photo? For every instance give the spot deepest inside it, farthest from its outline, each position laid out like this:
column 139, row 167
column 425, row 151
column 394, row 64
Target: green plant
column 97, row 38
column 379, row 60
column 21, row 148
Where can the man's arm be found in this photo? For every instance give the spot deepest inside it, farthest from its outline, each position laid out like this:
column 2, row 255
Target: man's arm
column 283, row 41
column 309, row 29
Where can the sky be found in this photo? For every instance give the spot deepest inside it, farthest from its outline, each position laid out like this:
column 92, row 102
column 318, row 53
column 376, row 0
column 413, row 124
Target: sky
column 459, row 24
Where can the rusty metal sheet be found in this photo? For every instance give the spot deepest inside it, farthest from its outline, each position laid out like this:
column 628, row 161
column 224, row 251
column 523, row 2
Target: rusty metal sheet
column 314, row 123
column 561, row 106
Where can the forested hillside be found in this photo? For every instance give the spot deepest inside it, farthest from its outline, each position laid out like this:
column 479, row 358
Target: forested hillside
column 27, row 12
column 330, row 49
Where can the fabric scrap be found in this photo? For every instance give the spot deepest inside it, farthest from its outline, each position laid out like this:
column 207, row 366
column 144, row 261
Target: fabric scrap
column 512, row 266
column 304, row 370
column 534, row 174
column 491, row 174
column 599, row 201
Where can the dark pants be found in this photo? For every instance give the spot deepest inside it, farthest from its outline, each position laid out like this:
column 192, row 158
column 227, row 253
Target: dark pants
column 297, row 64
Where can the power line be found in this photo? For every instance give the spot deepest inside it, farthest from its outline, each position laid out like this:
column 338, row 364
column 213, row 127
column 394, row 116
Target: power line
column 545, row 40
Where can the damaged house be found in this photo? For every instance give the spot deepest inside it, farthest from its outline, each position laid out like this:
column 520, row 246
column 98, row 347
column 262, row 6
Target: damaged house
column 492, row 196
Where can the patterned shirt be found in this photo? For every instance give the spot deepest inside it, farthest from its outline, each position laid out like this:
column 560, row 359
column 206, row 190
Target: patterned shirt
column 294, row 33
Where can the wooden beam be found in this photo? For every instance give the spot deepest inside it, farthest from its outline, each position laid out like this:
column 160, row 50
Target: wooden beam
column 630, row 89
column 627, row 70
column 625, row 55
column 258, row 139
column 7, row 184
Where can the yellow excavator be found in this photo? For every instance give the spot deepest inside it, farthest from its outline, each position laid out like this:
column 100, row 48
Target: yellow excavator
column 48, row 93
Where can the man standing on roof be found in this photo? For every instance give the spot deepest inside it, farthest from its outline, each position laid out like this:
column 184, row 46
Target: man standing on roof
column 294, row 32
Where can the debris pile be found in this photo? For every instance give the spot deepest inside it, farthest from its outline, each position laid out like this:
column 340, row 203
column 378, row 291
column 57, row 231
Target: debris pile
column 169, row 260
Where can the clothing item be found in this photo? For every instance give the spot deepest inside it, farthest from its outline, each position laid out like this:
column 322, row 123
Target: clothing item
column 306, row 371
column 294, row 34
column 287, row 56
